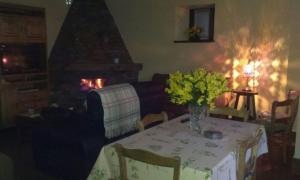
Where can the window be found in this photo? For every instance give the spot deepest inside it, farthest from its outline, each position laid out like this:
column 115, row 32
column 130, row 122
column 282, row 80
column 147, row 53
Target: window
column 203, row 18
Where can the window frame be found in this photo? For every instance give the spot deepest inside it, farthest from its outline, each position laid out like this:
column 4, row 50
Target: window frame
column 211, row 11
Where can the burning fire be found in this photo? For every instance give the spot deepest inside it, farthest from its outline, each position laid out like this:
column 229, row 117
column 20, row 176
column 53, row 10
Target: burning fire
column 88, row 84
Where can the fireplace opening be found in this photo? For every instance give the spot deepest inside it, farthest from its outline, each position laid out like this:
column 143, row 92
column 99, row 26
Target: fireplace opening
column 92, row 83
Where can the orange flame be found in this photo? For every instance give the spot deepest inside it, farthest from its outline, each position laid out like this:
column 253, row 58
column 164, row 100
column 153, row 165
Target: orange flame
column 92, row 83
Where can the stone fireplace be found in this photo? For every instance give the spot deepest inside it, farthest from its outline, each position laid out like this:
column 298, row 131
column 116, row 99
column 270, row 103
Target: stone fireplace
column 89, row 46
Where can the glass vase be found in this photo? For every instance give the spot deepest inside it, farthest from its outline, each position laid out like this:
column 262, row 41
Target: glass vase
column 196, row 113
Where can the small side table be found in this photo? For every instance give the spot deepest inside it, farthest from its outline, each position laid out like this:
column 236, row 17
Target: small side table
column 250, row 101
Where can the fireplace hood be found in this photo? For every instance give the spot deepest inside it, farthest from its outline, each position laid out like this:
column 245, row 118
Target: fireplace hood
column 89, row 45
column 104, row 67
column 89, row 40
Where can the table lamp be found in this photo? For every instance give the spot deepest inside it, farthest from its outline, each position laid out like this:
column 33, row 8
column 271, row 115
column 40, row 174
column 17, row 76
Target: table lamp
column 248, row 73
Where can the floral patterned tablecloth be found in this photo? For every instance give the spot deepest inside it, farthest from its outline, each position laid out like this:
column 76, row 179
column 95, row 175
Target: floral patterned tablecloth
column 201, row 158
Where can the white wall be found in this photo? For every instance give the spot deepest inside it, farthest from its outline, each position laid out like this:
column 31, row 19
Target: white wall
column 294, row 61
column 148, row 28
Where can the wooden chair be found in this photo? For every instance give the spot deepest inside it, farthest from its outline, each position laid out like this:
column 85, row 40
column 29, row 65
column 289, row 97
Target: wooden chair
column 294, row 94
column 282, row 121
column 145, row 157
column 279, row 129
column 229, row 113
column 246, row 167
column 150, row 119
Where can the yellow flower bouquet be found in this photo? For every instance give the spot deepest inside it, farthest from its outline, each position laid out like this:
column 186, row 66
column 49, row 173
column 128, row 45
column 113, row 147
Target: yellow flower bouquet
column 194, row 32
column 198, row 89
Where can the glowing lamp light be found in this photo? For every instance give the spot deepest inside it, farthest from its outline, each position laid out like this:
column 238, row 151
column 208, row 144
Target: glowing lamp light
column 235, row 85
column 256, row 74
column 228, row 61
column 235, row 73
column 276, row 63
column 274, row 77
column 235, row 63
column 4, row 60
column 248, row 70
column 249, row 73
column 253, row 82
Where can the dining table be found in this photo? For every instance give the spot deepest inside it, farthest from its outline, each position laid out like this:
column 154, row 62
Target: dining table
column 202, row 158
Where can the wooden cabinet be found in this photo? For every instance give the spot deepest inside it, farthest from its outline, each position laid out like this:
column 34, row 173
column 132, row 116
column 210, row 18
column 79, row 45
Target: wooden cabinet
column 22, row 29
column 34, row 99
column 19, row 93
column 10, row 28
column 19, row 28
column 22, row 25
column 8, row 105
column 34, row 29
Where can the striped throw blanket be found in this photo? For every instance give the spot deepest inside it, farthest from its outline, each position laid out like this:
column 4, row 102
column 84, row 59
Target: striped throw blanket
column 121, row 107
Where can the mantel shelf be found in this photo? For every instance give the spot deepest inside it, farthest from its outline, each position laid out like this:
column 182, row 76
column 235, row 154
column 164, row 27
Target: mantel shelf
column 104, row 67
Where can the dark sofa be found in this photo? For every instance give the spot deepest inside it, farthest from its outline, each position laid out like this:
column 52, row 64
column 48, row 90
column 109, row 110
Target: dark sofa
column 68, row 146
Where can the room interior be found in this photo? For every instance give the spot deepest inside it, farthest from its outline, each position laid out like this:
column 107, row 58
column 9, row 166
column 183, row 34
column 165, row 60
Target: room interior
column 90, row 44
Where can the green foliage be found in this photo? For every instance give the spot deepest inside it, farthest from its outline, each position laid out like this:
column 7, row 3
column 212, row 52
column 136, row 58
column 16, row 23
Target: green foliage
column 198, row 87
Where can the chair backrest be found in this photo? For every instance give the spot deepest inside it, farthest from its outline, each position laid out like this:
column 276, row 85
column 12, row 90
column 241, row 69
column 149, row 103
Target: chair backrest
column 246, row 167
column 290, row 117
column 229, row 113
column 293, row 94
column 150, row 119
column 145, row 157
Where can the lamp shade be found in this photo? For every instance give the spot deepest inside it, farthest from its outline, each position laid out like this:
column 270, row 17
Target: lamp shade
column 248, row 70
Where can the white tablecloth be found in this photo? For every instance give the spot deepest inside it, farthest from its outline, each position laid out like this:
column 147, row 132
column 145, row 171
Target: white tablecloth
column 201, row 158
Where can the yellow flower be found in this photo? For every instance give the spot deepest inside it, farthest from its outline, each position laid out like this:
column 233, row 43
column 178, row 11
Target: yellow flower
column 194, row 31
column 197, row 87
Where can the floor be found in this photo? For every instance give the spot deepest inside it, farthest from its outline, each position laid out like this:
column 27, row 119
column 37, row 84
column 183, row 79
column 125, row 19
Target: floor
column 21, row 153
column 269, row 171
